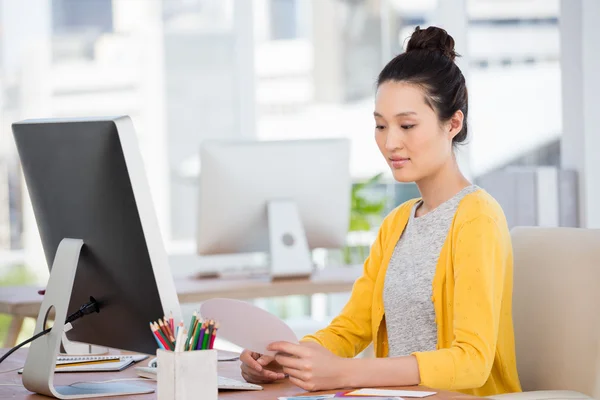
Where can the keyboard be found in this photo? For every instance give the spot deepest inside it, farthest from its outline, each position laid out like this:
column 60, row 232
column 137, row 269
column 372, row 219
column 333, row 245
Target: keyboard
column 223, row 382
column 233, row 384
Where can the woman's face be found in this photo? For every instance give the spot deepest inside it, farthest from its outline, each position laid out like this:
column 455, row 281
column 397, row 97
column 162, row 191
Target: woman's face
column 409, row 134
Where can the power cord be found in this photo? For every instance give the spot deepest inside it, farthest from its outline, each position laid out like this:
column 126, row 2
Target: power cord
column 88, row 308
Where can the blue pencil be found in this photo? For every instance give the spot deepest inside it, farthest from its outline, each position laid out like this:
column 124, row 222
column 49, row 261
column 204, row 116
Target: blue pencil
column 155, row 338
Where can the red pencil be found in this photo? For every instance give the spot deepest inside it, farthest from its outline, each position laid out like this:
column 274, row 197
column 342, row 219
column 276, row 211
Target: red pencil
column 172, row 322
column 214, row 335
column 159, row 336
column 165, row 330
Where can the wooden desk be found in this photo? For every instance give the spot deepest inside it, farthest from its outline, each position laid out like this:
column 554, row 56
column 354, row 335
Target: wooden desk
column 328, row 280
column 16, row 391
column 22, row 302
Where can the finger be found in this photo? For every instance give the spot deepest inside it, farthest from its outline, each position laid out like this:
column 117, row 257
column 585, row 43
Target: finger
column 290, row 362
column 301, row 384
column 289, row 348
column 264, row 376
column 247, row 378
column 296, row 373
column 248, row 358
column 247, row 355
column 251, row 371
column 255, row 379
column 265, row 360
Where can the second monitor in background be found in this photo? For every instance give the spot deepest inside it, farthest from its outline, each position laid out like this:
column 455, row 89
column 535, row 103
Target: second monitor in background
column 280, row 197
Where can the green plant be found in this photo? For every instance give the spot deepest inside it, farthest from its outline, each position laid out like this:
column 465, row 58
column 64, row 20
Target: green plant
column 364, row 213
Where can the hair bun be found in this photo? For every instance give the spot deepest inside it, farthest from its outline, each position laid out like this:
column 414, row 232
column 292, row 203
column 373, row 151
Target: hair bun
column 433, row 39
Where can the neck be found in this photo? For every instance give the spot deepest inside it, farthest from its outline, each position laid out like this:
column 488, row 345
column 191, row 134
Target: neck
column 442, row 186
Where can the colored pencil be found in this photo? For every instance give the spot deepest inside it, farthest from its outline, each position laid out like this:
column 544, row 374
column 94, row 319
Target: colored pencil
column 193, row 335
column 213, row 337
column 159, row 336
column 209, row 329
column 167, row 326
column 179, row 340
column 169, row 336
column 180, row 328
column 165, row 323
column 211, row 326
column 201, row 337
column 160, row 345
column 171, row 331
column 163, row 329
column 165, row 340
column 172, row 322
column 206, row 336
column 168, row 344
column 194, row 345
column 190, row 330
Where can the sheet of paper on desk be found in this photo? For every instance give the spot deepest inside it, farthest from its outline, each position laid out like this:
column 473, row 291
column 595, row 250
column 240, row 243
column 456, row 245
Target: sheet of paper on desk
column 246, row 325
column 313, row 397
column 330, row 396
column 387, row 393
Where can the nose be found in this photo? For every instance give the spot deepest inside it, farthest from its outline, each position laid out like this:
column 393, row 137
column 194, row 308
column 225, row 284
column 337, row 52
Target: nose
column 394, row 140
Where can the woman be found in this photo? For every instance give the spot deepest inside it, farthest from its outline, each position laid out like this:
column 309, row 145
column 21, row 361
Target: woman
column 436, row 293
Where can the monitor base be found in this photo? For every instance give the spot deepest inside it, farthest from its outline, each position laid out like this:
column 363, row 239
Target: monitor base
column 38, row 373
column 90, row 389
column 290, row 255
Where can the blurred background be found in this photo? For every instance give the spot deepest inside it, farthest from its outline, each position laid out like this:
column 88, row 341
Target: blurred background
column 190, row 70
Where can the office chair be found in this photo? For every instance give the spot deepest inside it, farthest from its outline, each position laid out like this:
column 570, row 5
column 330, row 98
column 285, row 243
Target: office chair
column 556, row 310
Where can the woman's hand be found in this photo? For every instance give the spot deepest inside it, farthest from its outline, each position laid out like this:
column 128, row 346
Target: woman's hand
column 257, row 368
column 311, row 366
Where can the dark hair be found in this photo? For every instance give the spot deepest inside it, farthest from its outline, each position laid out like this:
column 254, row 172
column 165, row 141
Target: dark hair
column 429, row 63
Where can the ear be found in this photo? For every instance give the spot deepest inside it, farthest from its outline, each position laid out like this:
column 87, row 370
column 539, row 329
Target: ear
column 455, row 124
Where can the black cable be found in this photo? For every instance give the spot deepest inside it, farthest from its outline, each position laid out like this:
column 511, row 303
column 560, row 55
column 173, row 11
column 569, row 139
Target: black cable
column 17, row 347
column 84, row 310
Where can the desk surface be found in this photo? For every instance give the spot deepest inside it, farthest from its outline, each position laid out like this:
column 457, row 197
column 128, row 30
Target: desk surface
column 25, row 301
column 328, row 280
column 11, row 386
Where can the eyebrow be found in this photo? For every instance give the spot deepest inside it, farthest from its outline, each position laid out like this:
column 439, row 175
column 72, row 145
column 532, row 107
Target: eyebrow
column 402, row 114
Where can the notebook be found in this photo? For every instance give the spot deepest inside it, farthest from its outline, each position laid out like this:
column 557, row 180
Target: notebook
column 95, row 363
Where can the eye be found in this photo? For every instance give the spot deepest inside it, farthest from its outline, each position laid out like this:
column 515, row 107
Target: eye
column 380, row 127
column 407, row 126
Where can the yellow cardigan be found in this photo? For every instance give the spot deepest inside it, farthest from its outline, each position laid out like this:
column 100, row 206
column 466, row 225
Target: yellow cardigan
column 472, row 298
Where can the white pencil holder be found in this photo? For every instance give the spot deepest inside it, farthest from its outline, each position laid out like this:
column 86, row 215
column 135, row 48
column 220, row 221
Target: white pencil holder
column 187, row 375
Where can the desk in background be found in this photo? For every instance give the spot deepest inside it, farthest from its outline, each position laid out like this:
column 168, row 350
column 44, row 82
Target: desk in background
column 22, row 302
column 16, row 391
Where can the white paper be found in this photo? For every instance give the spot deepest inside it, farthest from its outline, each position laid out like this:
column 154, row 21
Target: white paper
column 313, row 397
column 246, row 325
column 389, row 393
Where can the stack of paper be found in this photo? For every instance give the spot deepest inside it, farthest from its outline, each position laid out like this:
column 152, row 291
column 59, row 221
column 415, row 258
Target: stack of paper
column 362, row 393
column 330, row 396
column 94, row 363
column 366, row 394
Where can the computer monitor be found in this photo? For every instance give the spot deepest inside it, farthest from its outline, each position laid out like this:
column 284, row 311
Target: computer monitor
column 87, row 185
column 281, row 197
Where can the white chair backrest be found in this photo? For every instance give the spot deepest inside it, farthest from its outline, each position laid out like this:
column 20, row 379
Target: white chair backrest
column 557, row 308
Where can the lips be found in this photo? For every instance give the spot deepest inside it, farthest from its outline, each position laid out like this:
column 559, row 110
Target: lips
column 398, row 162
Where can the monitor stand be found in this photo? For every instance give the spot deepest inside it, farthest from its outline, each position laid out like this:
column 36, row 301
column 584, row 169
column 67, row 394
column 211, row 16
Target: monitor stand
column 38, row 373
column 78, row 348
column 290, row 255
